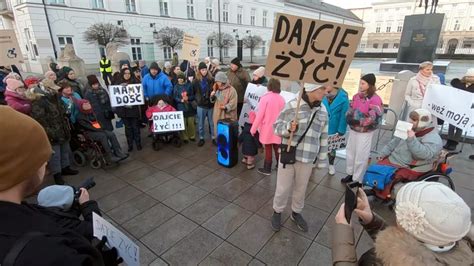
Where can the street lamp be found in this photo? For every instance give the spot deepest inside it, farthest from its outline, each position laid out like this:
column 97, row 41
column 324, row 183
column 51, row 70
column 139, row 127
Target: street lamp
column 236, row 33
column 155, row 33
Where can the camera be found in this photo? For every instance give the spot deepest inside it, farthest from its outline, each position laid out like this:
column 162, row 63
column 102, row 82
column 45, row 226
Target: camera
column 87, row 184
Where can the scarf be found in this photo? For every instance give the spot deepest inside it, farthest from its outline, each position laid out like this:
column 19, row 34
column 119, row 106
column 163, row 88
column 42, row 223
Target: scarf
column 204, row 85
column 424, row 81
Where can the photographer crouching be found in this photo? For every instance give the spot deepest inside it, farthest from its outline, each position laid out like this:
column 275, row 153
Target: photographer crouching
column 433, row 227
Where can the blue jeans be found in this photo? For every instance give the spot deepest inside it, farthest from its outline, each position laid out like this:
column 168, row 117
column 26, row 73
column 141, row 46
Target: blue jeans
column 202, row 113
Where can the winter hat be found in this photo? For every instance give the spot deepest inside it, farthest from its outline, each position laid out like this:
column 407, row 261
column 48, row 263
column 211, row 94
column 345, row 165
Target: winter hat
column 181, row 75
column 80, row 103
column 56, row 196
column 12, row 75
column 53, row 66
column 18, row 160
column 215, row 61
column 236, row 61
column 259, row 72
column 423, row 116
column 309, row 87
column 221, row 77
column 13, row 84
column 31, row 81
column 369, row 78
column 154, row 65
column 432, row 213
column 49, row 73
column 469, row 72
column 167, row 64
column 66, row 70
column 92, row 79
column 252, row 117
column 202, row 65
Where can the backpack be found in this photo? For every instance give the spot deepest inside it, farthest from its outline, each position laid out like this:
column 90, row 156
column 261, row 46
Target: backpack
column 378, row 176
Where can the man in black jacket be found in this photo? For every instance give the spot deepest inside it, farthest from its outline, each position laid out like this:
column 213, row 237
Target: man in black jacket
column 27, row 235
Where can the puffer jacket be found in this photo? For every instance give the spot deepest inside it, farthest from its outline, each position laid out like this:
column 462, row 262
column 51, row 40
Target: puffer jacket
column 365, row 114
column 394, row 246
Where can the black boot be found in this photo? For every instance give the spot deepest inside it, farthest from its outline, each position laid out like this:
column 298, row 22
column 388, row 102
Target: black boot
column 130, row 145
column 58, row 179
column 69, row 171
column 471, row 157
column 347, row 179
column 267, row 168
column 447, row 145
column 454, row 145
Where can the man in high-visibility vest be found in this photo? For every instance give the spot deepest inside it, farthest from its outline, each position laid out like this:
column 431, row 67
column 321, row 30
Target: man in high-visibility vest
column 106, row 70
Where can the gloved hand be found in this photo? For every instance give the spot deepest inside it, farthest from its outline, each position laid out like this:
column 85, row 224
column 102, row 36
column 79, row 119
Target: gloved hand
column 110, row 256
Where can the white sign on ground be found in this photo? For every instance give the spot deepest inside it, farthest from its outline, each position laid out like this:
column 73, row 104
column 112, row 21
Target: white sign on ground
column 168, row 121
column 336, row 142
column 131, row 94
column 126, row 248
column 450, row 104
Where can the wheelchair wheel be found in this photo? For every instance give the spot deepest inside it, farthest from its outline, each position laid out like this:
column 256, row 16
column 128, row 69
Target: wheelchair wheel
column 79, row 158
column 440, row 178
column 177, row 142
column 96, row 163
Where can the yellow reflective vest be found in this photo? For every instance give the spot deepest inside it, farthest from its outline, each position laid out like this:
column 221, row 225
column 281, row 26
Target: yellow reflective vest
column 105, row 66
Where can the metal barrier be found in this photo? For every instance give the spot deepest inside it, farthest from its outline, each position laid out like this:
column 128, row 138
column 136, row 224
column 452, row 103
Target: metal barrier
column 386, row 126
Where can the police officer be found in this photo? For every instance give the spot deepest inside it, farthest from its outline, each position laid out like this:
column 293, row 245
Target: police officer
column 106, row 70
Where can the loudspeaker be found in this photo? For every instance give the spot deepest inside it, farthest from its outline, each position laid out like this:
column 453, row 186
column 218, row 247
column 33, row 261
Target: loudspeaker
column 227, row 140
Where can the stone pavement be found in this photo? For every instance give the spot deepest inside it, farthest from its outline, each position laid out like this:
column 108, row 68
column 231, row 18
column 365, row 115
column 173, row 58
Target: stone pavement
column 182, row 208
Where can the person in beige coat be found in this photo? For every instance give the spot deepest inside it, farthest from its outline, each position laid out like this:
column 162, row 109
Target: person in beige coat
column 224, row 97
column 433, row 227
column 417, row 85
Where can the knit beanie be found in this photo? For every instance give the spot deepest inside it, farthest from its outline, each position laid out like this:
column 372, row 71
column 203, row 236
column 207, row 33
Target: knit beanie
column 92, row 79
column 18, row 160
column 236, row 61
column 202, row 65
column 259, row 72
column 221, row 77
column 56, row 196
column 154, row 65
column 181, row 75
column 167, row 64
column 424, row 118
column 31, row 81
column 66, row 70
column 49, row 73
column 369, row 78
column 432, row 213
column 13, row 84
column 309, row 87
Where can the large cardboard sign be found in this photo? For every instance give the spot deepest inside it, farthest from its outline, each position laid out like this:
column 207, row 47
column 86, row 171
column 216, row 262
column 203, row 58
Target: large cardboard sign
column 126, row 248
column 351, row 81
column 131, row 94
column 191, row 48
column 10, row 53
column 253, row 93
column 384, row 87
column 310, row 50
column 450, row 104
column 168, row 121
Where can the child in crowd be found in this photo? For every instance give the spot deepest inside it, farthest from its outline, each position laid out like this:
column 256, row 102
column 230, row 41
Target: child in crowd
column 249, row 143
column 184, row 97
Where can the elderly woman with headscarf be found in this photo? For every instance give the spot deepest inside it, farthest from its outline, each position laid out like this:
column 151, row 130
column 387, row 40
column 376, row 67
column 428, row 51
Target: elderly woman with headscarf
column 70, row 76
column 416, row 88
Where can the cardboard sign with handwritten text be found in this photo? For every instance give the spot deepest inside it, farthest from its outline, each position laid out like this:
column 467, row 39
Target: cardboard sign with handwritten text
column 310, row 50
column 191, row 48
column 10, row 53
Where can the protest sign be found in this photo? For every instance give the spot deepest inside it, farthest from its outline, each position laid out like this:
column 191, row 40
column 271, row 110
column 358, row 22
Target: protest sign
column 313, row 51
column 351, row 81
column 131, row 94
column 10, row 53
column 384, row 88
column 336, row 142
column 252, row 95
column 191, row 48
column 168, row 121
column 450, row 104
column 126, row 248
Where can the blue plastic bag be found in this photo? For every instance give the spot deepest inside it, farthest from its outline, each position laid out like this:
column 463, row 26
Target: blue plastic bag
column 378, row 176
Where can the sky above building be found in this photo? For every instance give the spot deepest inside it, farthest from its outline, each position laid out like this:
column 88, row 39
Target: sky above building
column 347, row 4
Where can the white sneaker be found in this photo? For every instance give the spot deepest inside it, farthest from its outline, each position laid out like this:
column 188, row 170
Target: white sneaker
column 332, row 170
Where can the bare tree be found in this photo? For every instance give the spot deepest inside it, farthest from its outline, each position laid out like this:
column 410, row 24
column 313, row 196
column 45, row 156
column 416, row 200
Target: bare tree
column 251, row 42
column 104, row 33
column 172, row 37
column 226, row 40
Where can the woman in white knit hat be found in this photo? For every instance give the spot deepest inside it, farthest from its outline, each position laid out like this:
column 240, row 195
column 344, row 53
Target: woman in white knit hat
column 433, row 228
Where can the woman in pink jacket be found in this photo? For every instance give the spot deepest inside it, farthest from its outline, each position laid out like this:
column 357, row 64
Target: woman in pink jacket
column 15, row 96
column 268, row 110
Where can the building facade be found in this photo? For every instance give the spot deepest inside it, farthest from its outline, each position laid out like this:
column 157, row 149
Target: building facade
column 44, row 27
column 384, row 24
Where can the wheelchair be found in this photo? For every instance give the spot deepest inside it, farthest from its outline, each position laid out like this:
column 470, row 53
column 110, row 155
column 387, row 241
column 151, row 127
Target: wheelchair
column 439, row 173
column 85, row 149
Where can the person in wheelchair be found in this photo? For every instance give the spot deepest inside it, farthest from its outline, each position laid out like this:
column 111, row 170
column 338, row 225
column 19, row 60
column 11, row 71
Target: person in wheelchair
column 87, row 122
column 416, row 155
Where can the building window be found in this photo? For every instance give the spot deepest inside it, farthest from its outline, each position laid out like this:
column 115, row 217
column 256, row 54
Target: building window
column 56, row 2
column 400, row 26
column 375, row 45
column 264, row 48
column 252, row 16
column 29, row 44
column 239, row 14
column 225, row 13
column 210, row 47
column 131, row 5
column 457, row 26
column 362, row 45
column 396, row 45
column 136, row 49
column 467, row 45
column 264, row 18
column 190, row 8
column 167, row 53
column 385, row 46
column 209, row 10
column 389, row 27
column 63, row 40
column 98, row 4
column 226, row 51
column 164, row 8
column 377, row 29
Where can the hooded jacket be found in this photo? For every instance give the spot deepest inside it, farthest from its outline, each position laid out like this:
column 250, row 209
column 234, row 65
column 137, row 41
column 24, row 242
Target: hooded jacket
column 156, row 85
column 337, row 110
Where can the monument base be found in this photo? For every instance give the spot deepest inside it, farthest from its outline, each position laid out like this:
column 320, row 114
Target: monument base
column 394, row 66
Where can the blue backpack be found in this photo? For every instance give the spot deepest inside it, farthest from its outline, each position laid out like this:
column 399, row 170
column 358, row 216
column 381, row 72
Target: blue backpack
column 378, row 176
